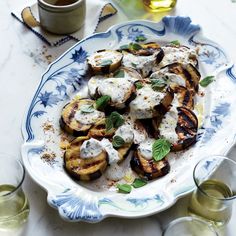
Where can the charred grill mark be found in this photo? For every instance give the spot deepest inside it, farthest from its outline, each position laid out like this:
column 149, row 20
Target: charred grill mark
column 160, row 56
column 72, row 112
column 187, row 118
column 189, row 78
column 186, row 98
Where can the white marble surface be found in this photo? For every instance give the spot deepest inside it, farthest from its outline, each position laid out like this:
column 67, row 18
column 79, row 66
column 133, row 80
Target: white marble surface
column 24, row 58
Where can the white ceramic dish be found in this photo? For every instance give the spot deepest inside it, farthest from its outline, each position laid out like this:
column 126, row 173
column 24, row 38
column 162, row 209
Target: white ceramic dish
column 41, row 153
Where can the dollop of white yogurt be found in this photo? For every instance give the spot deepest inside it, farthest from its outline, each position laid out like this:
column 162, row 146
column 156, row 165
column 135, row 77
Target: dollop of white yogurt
column 125, row 132
column 90, row 148
column 88, row 118
column 145, row 148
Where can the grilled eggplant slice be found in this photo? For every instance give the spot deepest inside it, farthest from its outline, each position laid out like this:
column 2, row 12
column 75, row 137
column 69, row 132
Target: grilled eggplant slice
column 84, row 169
column 78, row 116
column 146, row 49
column 98, row 130
column 105, row 61
column 149, row 169
column 150, row 103
column 188, row 72
column 143, row 64
column 179, row 126
column 178, row 54
column 185, row 97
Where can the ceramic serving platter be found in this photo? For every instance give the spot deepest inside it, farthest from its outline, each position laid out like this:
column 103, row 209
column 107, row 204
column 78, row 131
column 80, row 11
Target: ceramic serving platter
column 66, row 77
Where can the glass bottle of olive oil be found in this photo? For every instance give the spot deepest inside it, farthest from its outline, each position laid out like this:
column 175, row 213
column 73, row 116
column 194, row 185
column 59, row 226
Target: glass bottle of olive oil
column 14, row 207
column 209, row 202
column 159, row 5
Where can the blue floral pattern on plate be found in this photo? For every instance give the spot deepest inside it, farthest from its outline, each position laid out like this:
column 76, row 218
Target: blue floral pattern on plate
column 66, row 76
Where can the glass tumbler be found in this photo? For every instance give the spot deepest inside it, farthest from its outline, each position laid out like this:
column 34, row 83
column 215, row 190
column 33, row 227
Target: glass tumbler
column 189, row 226
column 215, row 179
column 14, row 206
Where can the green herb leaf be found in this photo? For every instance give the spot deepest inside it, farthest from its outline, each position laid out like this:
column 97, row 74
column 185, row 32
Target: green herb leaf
column 124, row 188
column 118, row 141
column 158, row 84
column 160, row 148
column 140, row 38
column 135, row 46
column 119, row 74
column 133, row 64
column 87, row 109
column 109, row 124
column 124, row 47
column 106, row 62
column 206, row 81
column 102, row 102
column 139, row 183
column 138, row 85
column 175, row 42
column 115, row 120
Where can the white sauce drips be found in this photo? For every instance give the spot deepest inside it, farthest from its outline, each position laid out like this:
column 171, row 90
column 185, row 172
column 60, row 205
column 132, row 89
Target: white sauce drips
column 126, row 132
column 88, row 118
column 145, row 148
column 142, row 107
column 90, row 148
column 169, row 123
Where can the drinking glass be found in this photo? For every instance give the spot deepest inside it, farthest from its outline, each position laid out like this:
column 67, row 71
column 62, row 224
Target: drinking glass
column 14, row 206
column 189, row 226
column 159, row 5
column 215, row 179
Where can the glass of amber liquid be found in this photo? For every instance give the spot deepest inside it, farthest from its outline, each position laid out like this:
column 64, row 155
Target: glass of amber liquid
column 189, row 226
column 215, row 179
column 159, row 5
column 14, row 206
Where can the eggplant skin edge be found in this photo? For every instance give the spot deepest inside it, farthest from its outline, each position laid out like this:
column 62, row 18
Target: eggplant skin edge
column 136, row 166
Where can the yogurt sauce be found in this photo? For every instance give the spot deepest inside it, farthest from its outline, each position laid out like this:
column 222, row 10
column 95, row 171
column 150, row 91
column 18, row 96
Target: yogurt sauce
column 88, row 118
column 142, row 107
column 169, row 123
column 116, row 88
column 177, row 54
column 144, row 63
column 90, row 148
column 125, row 132
column 145, row 148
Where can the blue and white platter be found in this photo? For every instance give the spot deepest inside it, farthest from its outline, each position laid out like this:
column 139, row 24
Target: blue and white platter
column 64, row 78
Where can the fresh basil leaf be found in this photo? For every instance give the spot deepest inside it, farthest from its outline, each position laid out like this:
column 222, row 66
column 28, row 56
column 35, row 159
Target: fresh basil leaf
column 139, row 183
column 124, row 188
column 119, row 74
column 133, row 64
column 175, row 42
column 102, row 102
column 109, row 124
column 117, row 119
column 138, row 85
column 140, row 38
column 160, row 148
column 106, row 62
column 206, row 81
column 135, row 46
column 118, row 141
column 124, row 47
column 87, row 109
column 158, row 84
column 114, row 120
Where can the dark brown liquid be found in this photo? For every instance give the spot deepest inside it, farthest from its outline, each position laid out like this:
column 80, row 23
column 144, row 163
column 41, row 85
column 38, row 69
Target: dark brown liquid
column 64, row 2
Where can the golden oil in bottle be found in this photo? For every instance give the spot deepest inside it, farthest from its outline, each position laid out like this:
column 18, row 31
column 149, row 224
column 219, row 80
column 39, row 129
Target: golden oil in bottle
column 159, row 5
